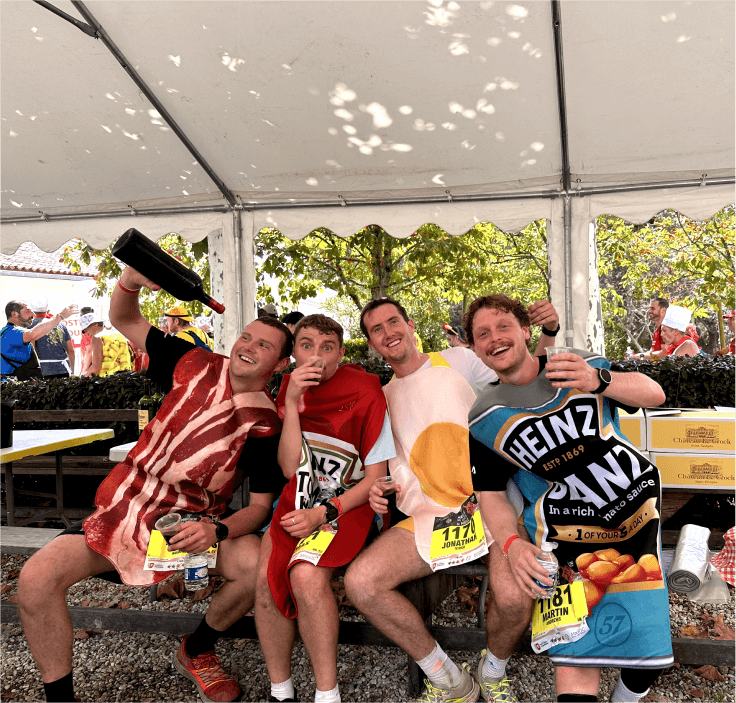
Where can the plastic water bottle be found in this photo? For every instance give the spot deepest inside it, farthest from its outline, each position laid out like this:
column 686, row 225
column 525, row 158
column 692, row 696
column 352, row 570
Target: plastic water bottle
column 323, row 496
column 549, row 561
column 196, row 575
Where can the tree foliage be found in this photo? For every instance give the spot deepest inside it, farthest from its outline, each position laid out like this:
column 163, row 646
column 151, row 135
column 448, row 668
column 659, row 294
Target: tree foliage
column 428, row 271
column 689, row 262
column 109, row 269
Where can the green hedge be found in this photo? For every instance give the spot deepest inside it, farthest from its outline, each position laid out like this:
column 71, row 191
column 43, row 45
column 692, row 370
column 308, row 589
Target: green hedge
column 688, row 381
column 120, row 391
column 701, row 381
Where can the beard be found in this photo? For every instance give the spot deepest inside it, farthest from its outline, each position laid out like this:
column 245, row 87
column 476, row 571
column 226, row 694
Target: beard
column 22, row 322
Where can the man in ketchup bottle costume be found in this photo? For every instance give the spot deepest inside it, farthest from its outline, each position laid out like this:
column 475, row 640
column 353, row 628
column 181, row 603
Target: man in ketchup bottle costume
column 189, row 458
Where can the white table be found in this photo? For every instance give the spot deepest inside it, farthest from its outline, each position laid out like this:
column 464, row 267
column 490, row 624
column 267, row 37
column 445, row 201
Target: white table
column 118, row 454
column 35, row 442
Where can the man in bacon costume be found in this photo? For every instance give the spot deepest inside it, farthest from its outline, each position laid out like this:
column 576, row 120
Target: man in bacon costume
column 429, row 400
column 553, row 426
column 334, row 444
column 187, row 459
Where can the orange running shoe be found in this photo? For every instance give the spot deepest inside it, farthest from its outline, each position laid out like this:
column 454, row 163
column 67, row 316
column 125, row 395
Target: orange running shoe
column 213, row 683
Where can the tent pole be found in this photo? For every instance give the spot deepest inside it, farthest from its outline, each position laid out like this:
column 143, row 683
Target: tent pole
column 367, row 202
column 110, row 44
column 565, row 155
column 238, row 242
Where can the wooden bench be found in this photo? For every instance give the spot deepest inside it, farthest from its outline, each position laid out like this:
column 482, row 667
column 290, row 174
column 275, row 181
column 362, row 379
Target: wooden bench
column 96, row 465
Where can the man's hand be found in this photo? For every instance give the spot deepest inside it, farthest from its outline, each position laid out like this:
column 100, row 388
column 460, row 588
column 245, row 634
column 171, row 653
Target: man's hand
column 195, row 536
column 543, row 313
column 133, row 280
column 378, row 503
column 572, row 371
column 68, row 311
column 526, row 568
column 301, row 523
column 304, row 377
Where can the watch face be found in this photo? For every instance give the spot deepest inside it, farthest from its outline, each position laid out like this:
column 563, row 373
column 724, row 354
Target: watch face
column 605, row 375
column 331, row 513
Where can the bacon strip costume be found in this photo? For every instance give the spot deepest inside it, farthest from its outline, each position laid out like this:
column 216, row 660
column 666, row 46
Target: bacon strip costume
column 186, row 459
column 592, row 492
column 341, row 422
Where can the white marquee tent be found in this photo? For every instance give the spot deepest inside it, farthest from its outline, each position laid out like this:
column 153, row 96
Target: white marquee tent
column 219, row 118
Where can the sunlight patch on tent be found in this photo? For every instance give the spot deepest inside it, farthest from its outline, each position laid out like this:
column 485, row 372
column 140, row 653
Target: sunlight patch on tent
column 381, row 118
column 406, row 109
column 176, row 60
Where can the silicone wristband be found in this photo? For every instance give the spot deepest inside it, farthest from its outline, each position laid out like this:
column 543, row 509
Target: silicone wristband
column 553, row 333
column 508, row 544
column 336, row 502
column 128, row 290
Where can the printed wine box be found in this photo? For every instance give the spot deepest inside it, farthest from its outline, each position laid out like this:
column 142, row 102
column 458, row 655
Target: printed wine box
column 634, row 427
column 698, row 470
column 707, row 431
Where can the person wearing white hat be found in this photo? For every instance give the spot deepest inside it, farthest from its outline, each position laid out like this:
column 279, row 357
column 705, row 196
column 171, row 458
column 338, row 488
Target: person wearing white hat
column 91, row 325
column 55, row 349
column 674, row 326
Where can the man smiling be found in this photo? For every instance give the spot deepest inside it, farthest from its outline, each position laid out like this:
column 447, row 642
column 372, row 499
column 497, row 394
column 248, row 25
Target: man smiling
column 552, row 425
column 188, row 460
column 334, row 444
column 429, row 400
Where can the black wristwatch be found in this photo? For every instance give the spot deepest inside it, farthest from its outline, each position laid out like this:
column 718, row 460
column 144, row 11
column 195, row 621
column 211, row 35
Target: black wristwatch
column 221, row 529
column 332, row 512
column 552, row 333
column 605, row 378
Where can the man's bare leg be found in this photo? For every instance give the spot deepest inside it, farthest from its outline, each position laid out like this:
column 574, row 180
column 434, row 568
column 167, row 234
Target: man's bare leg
column 509, row 611
column 577, row 679
column 318, row 620
column 237, row 562
column 42, row 587
column 371, row 582
column 276, row 633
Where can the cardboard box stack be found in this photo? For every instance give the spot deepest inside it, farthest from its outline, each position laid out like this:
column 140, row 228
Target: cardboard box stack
column 692, row 449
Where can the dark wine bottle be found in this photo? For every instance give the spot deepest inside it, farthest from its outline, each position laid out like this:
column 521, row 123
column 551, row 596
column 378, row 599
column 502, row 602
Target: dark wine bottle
column 158, row 398
column 148, row 258
column 145, row 407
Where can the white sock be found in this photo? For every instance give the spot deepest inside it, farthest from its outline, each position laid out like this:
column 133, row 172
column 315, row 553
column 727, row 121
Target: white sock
column 284, row 690
column 621, row 694
column 440, row 669
column 332, row 696
column 494, row 669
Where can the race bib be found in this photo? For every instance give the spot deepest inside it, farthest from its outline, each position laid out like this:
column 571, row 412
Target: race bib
column 561, row 618
column 313, row 546
column 159, row 558
column 457, row 537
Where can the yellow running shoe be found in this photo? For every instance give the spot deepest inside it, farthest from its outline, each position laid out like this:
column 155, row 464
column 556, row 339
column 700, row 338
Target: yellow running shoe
column 493, row 691
column 466, row 690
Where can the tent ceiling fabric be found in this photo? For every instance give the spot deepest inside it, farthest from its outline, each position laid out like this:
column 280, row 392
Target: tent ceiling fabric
column 303, row 102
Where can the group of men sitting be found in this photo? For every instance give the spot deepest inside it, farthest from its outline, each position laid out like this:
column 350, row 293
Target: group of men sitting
column 452, row 427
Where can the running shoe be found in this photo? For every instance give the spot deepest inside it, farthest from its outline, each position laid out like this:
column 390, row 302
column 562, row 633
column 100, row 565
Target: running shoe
column 213, row 683
column 466, row 690
column 493, row 691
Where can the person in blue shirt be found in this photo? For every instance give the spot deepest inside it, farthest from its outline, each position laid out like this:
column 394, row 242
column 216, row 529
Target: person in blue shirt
column 17, row 352
column 55, row 350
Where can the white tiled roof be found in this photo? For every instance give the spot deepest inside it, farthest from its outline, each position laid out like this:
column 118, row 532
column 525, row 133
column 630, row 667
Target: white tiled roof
column 29, row 258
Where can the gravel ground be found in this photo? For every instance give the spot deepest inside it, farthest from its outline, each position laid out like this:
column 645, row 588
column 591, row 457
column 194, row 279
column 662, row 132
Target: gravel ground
column 123, row 666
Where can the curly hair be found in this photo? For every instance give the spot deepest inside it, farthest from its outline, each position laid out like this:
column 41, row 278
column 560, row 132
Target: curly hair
column 495, row 302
